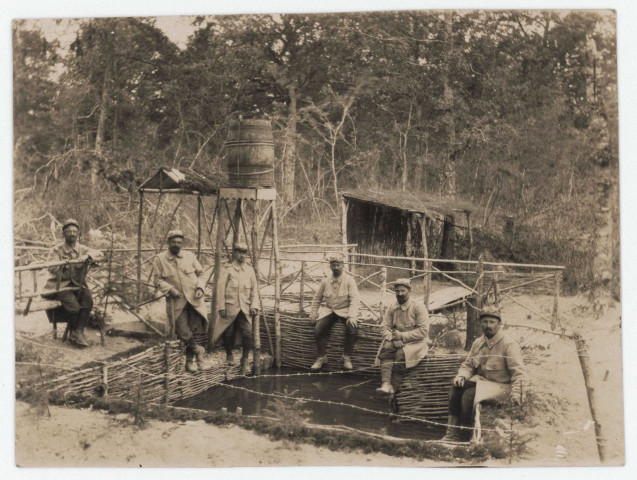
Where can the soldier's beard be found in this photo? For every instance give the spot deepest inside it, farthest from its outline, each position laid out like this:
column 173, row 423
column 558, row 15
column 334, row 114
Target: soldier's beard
column 174, row 250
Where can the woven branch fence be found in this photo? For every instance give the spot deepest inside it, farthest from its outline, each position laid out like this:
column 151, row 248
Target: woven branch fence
column 157, row 375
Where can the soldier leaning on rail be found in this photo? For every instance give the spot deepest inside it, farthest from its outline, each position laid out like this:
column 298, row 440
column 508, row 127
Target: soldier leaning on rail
column 237, row 300
column 493, row 370
column 179, row 275
column 405, row 332
column 340, row 294
column 76, row 305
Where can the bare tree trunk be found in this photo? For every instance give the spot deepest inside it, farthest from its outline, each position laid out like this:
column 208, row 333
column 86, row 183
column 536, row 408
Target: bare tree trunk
column 289, row 160
column 403, row 181
column 101, row 127
column 449, row 187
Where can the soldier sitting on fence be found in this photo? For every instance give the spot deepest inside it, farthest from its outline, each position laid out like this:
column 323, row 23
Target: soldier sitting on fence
column 493, row 370
column 405, row 333
column 179, row 275
column 340, row 294
column 76, row 304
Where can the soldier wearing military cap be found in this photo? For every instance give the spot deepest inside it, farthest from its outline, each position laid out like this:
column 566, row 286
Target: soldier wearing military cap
column 339, row 294
column 237, row 303
column 76, row 305
column 179, row 275
column 405, row 333
column 493, row 370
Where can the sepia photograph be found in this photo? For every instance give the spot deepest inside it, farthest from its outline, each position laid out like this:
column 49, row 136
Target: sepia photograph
column 382, row 238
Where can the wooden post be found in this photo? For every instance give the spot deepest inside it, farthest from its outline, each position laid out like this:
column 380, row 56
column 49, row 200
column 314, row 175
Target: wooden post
column 480, row 272
column 474, row 304
column 426, row 262
column 105, row 379
column 302, row 288
column 108, row 289
column 256, row 332
column 35, row 280
column 496, row 292
column 383, row 289
column 140, row 220
column 277, row 285
column 167, row 377
column 582, row 353
column 557, row 280
column 20, row 284
column 199, row 227
column 470, row 230
column 236, row 236
column 217, row 273
column 344, row 206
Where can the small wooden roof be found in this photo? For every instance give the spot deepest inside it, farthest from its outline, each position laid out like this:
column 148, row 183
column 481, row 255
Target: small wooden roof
column 183, row 180
column 411, row 202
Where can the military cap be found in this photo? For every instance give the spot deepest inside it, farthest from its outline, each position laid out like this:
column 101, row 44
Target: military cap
column 491, row 311
column 240, row 247
column 175, row 233
column 405, row 282
column 335, row 257
column 70, row 222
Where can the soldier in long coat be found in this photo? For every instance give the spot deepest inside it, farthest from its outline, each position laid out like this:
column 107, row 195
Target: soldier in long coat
column 237, row 303
column 405, row 332
column 179, row 275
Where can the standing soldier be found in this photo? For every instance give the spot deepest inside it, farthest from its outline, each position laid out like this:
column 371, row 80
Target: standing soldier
column 180, row 276
column 405, row 332
column 77, row 305
column 340, row 294
column 237, row 300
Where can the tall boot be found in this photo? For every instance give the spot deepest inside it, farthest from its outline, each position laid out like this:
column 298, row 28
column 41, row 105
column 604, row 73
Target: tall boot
column 453, row 430
column 385, row 378
column 77, row 332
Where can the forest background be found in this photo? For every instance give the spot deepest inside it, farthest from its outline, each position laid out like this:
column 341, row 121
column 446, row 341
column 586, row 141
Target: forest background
column 513, row 111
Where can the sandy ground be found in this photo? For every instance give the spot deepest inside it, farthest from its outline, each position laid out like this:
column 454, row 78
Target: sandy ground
column 565, row 436
column 97, row 439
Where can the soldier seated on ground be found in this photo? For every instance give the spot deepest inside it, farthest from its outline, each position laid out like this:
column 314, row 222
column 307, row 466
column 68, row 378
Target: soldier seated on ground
column 179, row 275
column 405, row 333
column 494, row 363
column 76, row 304
column 339, row 294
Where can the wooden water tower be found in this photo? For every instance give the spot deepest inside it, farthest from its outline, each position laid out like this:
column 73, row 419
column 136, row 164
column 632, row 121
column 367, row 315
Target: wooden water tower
column 247, row 209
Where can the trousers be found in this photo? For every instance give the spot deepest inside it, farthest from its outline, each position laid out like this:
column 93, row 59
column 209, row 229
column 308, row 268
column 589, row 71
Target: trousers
column 322, row 331
column 188, row 323
column 242, row 323
column 461, row 402
column 76, row 308
column 394, row 357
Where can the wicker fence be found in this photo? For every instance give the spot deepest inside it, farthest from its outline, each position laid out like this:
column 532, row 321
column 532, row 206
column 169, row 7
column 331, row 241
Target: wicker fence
column 157, row 375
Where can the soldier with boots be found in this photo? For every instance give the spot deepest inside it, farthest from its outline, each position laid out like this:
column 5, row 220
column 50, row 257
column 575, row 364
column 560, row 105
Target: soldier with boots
column 494, row 359
column 237, row 300
column 339, row 294
column 405, row 332
column 179, row 275
column 76, row 305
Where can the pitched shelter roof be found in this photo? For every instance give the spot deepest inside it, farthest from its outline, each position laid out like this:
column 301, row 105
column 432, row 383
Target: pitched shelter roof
column 183, row 180
column 412, row 202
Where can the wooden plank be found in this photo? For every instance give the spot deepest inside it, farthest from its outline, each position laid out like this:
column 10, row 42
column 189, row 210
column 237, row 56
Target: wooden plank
column 445, row 296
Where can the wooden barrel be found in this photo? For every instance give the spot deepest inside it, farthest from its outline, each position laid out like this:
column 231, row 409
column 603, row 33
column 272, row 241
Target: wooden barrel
column 250, row 154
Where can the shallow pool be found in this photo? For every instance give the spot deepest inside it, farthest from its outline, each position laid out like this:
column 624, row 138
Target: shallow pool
column 255, row 396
